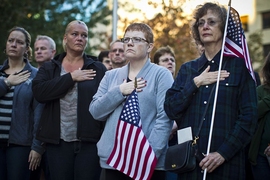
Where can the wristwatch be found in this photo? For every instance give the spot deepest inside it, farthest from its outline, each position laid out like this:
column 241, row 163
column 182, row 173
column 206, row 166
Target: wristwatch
column 7, row 83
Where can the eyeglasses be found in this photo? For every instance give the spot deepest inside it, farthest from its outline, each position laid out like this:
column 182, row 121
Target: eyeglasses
column 119, row 50
column 133, row 39
column 211, row 23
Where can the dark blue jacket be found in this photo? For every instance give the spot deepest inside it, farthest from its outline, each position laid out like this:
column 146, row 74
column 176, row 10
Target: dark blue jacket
column 49, row 87
column 235, row 112
column 26, row 111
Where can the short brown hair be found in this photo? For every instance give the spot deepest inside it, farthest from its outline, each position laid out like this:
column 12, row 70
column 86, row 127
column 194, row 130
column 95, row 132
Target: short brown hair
column 148, row 33
column 161, row 51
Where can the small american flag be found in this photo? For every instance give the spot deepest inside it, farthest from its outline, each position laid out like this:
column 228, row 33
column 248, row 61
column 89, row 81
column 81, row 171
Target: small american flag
column 235, row 42
column 132, row 153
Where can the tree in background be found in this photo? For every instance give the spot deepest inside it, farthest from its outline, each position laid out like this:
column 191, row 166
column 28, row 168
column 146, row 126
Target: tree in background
column 17, row 13
column 125, row 19
column 171, row 27
column 50, row 18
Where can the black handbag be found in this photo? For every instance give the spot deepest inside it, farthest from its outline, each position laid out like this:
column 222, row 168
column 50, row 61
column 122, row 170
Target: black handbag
column 181, row 158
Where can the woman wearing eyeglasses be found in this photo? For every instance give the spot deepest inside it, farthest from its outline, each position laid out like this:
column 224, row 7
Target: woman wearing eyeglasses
column 236, row 106
column 117, row 84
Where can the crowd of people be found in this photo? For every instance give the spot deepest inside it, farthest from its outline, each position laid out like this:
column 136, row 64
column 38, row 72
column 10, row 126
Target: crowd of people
column 59, row 120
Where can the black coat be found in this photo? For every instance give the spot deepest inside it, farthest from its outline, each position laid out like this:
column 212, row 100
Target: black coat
column 49, row 86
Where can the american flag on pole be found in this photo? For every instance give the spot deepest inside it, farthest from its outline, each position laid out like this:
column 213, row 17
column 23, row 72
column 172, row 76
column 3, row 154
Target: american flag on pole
column 132, row 153
column 235, row 42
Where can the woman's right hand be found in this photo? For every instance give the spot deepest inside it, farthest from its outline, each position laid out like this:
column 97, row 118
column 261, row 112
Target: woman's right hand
column 207, row 77
column 83, row 75
column 126, row 88
column 18, row 78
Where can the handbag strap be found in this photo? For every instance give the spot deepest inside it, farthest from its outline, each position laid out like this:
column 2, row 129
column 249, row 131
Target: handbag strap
column 204, row 113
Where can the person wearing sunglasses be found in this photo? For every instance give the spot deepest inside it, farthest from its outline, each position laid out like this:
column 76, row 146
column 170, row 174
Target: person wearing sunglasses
column 152, row 83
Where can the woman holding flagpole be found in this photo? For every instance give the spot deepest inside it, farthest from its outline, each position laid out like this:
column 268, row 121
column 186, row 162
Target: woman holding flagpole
column 117, row 86
column 236, row 103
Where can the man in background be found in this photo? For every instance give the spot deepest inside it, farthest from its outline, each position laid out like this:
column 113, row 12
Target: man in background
column 44, row 48
column 116, row 54
column 104, row 58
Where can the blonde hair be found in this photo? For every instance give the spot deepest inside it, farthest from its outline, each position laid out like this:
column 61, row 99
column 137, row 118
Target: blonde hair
column 68, row 28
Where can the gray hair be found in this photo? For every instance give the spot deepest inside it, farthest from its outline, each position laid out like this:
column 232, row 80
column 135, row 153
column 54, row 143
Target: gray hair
column 49, row 39
column 115, row 41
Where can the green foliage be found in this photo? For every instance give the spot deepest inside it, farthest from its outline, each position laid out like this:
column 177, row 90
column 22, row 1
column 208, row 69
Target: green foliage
column 171, row 27
column 50, row 18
